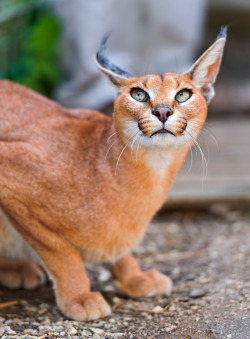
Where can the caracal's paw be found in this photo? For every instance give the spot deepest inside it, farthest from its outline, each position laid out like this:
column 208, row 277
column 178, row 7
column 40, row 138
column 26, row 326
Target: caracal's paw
column 21, row 273
column 89, row 306
column 148, row 284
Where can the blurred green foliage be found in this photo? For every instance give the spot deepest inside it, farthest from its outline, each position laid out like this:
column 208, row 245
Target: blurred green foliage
column 36, row 65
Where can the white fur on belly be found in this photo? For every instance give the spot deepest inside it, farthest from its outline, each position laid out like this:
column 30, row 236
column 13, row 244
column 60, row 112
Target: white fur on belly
column 12, row 244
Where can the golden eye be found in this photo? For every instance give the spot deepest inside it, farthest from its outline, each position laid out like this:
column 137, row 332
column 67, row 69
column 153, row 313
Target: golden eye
column 183, row 95
column 139, row 95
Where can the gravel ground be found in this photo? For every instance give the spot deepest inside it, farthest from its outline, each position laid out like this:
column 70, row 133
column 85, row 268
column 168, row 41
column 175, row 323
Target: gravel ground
column 207, row 256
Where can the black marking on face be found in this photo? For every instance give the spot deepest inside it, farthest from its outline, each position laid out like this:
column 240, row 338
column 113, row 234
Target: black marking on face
column 139, row 124
column 104, row 61
column 184, row 126
column 162, row 131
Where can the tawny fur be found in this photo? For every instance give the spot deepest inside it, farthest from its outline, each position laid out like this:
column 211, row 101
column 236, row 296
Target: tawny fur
column 65, row 197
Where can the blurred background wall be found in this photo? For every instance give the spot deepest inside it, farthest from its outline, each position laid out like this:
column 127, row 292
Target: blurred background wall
column 32, row 31
column 43, row 46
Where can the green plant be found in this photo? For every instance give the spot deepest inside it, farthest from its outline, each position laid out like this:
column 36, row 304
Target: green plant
column 36, row 67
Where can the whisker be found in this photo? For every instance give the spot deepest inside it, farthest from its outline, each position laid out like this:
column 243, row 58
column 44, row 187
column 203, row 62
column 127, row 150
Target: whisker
column 119, row 158
column 138, row 146
column 109, row 150
column 132, row 145
column 141, row 143
column 126, row 129
column 204, row 140
column 112, row 136
column 203, row 158
column 191, row 152
column 124, row 150
column 206, row 129
column 115, row 140
column 192, row 138
column 212, row 135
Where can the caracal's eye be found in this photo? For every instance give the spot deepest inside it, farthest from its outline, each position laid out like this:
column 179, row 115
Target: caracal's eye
column 183, row 95
column 139, row 94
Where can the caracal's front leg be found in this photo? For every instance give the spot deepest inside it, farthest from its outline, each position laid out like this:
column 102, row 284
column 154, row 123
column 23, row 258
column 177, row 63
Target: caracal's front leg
column 136, row 283
column 65, row 266
column 72, row 286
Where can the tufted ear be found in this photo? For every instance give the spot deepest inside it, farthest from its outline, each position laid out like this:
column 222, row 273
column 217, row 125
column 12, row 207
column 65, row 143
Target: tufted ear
column 115, row 74
column 205, row 70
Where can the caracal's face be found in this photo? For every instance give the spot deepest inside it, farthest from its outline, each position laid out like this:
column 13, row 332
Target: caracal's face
column 166, row 110
column 160, row 111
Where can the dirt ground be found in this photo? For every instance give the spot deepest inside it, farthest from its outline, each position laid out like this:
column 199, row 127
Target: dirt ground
column 207, row 254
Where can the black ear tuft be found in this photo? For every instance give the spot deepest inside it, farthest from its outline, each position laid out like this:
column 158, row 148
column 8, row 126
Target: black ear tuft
column 223, row 33
column 104, row 61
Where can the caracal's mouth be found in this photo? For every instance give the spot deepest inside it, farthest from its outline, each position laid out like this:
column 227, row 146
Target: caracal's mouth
column 162, row 131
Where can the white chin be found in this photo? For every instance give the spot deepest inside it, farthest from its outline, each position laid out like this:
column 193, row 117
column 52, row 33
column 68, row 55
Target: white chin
column 161, row 140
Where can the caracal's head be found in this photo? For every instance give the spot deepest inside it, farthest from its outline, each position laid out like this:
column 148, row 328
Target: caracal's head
column 167, row 109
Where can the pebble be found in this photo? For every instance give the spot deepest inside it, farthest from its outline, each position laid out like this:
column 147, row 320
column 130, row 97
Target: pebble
column 158, row 308
column 113, row 335
column 9, row 330
column 59, row 329
column 104, row 275
column 44, row 305
column 2, row 320
column 42, row 311
column 96, row 330
column 8, row 322
column 109, row 288
column 170, row 328
column 190, row 276
column 172, row 308
column 96, row 336
column 71, row 330
column 43, row 330
column 30, row 331
column 85, row 333
column 197, row 292
column 116, row 300
column 220, row 210
column 2, row 330
column 176, row 271
column 46, row 321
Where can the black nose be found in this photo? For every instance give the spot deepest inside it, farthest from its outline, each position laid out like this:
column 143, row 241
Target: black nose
column 162, row 113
